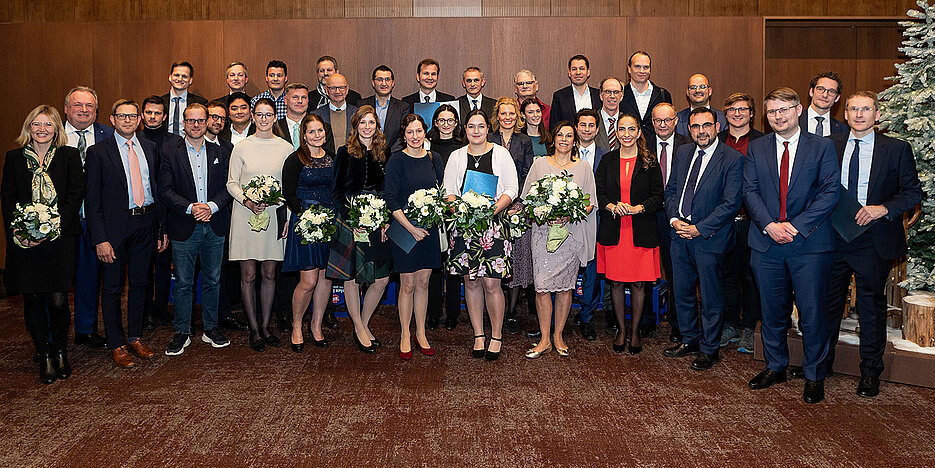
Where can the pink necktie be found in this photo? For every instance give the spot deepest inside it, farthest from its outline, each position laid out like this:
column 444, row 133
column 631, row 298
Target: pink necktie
column 136, row 178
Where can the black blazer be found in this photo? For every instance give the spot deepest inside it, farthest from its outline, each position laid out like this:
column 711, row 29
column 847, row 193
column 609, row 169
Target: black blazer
column 177, row 189
column 314, row 97
column 281, row 129
column 894, row 183
column 67, row 177
column 439, row 97
column 106, row 202
column 645, row 189
column 836, row 125
column 628, row 104
column 395, row 112
column 563, row 105
column 486, row 105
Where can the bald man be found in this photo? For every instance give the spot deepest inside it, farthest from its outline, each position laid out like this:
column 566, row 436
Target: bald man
column 699, row 95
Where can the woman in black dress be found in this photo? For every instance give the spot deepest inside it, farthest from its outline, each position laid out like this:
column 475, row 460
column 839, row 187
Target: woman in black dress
column 44, row 170
column 409, row 170
column 359, row 168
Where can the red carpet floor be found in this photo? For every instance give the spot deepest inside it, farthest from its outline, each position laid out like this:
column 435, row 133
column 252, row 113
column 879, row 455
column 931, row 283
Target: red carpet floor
column 339, row 407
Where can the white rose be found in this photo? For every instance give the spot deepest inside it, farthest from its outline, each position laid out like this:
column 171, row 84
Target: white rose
column 572, row 186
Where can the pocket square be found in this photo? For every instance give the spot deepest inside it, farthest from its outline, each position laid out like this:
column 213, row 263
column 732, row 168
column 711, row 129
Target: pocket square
column 216, row 161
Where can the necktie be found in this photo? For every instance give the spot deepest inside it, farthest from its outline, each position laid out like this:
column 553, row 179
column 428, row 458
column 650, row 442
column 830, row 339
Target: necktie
column 473, row 104
column 175, row 115
column 663, row 156
column 584, row 154
column 324, row 98
column 690, row 186
column 819, row 129
column 82, row 144
column 427, row 98
column 295, row 137
column 612, row 133
column 853, row 169
column 783, row 181
column 136, row 177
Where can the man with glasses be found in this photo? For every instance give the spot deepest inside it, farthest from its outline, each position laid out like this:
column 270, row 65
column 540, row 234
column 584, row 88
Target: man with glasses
column 193, row 187
column 390, row 111
column 472, row 80
column 641, row 96
column 824, row 91
column 702, row 197
column 567, row 101
column 181, row 76
column 276, row 78
column 326, row 66
column 527, row 87
column 121, row 205
column 699, row 95
column 739, row 287
column 296, row 110
column 791, row 238
column 611, row 93
column 337, row 114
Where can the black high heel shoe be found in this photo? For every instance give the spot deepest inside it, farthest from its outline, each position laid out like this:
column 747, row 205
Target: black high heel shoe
column 298, row 347
column 619, row 348
column 493, row 355
column 46, row 369
column 636, row 349
column 60, row 364
column 256, row 343
column 364, row 349
column 272, row 340
column 478, row 353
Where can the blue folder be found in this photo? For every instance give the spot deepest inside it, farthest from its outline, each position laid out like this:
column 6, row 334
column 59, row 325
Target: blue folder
column 481, row 183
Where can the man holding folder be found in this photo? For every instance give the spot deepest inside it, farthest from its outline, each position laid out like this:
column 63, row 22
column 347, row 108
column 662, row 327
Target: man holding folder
column 879, row 183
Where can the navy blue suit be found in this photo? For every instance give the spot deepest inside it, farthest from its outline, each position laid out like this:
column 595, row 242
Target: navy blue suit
column 715, row 202
column 563, row 105
column 894, row 183
column 805, row 263
column 590, row 283
column 131, row 236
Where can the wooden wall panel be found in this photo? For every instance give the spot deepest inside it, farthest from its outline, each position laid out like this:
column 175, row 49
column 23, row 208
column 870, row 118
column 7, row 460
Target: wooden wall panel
column 585, row 8
column 655, row 8
column 446, row 8
column 517, row 8
column 378, row 9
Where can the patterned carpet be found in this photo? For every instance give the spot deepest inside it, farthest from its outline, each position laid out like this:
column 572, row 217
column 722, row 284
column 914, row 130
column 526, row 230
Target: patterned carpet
column 339, row 407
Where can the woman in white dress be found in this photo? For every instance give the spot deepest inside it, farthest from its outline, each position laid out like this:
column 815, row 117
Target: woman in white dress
column 259, row 154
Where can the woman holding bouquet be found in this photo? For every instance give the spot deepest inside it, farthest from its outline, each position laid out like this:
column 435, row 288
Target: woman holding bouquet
column 360, row 166
column 557, row 271
column 259, row 154
column 48, row 172
column 629, row 192
column 409, row 170
column 483, row 258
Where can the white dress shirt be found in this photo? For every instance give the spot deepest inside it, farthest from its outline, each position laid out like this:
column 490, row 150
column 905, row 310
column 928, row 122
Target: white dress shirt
column 642, row 99
column 813, row 122
column 704, row 164
column 583, row 100
column 866, row 159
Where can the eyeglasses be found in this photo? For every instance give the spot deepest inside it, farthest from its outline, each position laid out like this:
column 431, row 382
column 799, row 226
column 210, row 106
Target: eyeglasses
column 865, row 109
column 38, row 125
column 828, row 91
column 779, row 111
column 264, row 115
column 126, row 116
column 701, row 87
column 611, row 92
column 666, row 121
column 446, row 121
column 337, row 88
column 706, row 126
column 737, row 110
column 525, row 83
column 196, row 121
column 218, row 118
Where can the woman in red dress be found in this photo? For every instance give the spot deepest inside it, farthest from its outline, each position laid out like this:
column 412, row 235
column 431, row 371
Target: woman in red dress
column 629, row 192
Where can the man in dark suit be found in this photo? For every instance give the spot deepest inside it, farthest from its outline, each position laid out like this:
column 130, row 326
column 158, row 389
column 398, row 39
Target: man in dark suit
column 611, row 93
column 181, row 75
column 699, row 95
column 880, row 173
column 390, row 111
column 702, row 198
column 790, row 187
column 325, row 67
column 83, row 132
column 567, row 101
column 662, row 140
column 526, row 86
column 237, row 80
column 296, row 110
column 193, row 187
column 427, row 76
column 472, row 80
column 586, row 127
column 739, row 286
column 337, row 114
column 642, row 95
column 824, row 91
column 124, row 219
column 241, row 122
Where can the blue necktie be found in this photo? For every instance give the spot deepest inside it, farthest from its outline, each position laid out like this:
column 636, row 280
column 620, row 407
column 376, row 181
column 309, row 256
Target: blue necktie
column 853, row 169
column 690, row 186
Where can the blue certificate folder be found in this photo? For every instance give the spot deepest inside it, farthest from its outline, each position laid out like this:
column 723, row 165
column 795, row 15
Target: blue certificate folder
column 399, row 235
column 480, row 182
column 426, row 110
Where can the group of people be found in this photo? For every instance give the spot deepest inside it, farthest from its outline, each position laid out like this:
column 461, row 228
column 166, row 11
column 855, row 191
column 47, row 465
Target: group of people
column 749, row 223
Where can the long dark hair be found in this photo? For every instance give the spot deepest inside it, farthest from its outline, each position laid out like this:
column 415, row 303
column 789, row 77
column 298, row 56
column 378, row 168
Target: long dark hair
column 304, row 154
column 545, row 137
column 644, row 155
column 377, row 143
column 554, row 134
column 457, row 135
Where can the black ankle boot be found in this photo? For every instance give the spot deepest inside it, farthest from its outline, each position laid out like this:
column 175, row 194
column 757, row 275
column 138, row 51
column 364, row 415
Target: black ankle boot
column 60, row 364
column 46, row 370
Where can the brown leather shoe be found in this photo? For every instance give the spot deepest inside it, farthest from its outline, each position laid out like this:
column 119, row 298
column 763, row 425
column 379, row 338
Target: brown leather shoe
column 122, row 357
column 141, row 351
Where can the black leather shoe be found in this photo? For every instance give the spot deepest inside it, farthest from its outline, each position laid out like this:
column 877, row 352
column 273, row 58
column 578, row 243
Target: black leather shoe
column 230, row 323
column 376, row 342
column 675, row 336
column 796, row 372
column 257, row 344
column 322, row 343
column 330, row 320
column 92, row 341
column 868, row 387
column 619, row 348
column 46, row 369
column 814, row 391
column 60, row 364
column 681, row 350
column 533, row 333
column 576, row 320
column 297, row 347
column 766, row 378
column 452, row 322
column 587, row 331
column 705, row 361
column 431, row 323
column 510, row 324
column 492, row 355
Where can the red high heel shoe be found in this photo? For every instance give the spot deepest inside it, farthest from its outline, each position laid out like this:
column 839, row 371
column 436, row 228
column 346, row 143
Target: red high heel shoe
column 406, row 356
column 427, row 351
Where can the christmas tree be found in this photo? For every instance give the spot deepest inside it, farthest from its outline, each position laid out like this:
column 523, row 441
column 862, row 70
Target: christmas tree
column 908, row 113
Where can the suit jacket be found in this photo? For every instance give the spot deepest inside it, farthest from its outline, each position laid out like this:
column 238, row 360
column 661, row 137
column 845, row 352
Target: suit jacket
column 520, row 150
column 682, row 126
column 836, row 125
column 106, row 201
column 177, row 189
column 894, row 183
column 716, row 200
column 645, row 189
column 325, row 114
column 192, row 98
column 486, row 105
column 225, row 134
column 67, row 178
column 281, row 129
column 102, row 132
column 314, row 97
column 813, row 192
column 563, row 105
column 395, row 112
column 439, row 97
column 628, row 103
column 603, row 139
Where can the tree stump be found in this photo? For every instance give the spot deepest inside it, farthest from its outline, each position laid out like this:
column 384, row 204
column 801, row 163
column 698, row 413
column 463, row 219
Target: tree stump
column 919, row 320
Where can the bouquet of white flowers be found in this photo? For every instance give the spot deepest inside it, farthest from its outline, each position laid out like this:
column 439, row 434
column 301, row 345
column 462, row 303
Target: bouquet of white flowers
column 518, row 224
column 315, row 225
column 35, row 222
column 366, row 213
column 471, row 213
column 426, row 207
column 262, row 189
column 551, row 198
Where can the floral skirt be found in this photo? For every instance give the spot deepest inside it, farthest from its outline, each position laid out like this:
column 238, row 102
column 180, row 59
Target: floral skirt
column 488, row 255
